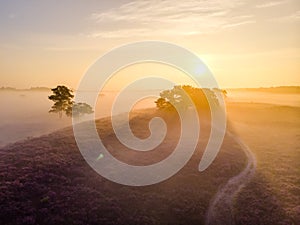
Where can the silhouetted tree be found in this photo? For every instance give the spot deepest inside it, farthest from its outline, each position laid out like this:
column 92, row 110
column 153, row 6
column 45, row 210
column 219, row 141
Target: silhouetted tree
column 79, row 109
column 176, row 97
column 62, row 98
column 184, row 96
column 161, row 103
column 63, row 103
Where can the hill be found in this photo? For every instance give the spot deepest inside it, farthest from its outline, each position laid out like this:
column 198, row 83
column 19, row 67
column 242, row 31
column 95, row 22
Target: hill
column 45, row 180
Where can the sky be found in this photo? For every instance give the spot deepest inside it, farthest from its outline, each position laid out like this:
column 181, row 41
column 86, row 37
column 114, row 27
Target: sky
column 245, row 43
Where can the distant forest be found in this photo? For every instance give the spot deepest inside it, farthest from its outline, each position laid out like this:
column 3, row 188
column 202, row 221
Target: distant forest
column 279, row 89
column 30, row 89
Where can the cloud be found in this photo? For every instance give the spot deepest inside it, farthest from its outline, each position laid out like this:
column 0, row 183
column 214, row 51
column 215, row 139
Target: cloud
column 161, row 18
column 271, row 4
column 119, row 33
column 239, row 24
column 288, row 18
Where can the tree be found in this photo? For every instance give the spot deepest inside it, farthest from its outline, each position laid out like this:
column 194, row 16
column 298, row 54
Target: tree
column 62, row 98
column 174, row 98
column 161, row 103
column 182, row 97
column 79, row 109
column 63, row 103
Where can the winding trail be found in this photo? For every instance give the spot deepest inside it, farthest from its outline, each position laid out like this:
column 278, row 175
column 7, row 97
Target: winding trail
column 221, row 206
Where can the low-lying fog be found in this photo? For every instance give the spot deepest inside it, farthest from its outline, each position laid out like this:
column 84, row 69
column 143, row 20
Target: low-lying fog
column 25, row 114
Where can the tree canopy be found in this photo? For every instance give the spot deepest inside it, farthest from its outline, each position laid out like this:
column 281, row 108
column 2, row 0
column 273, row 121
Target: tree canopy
column 183, row 96
column 79, row 109
column 62, row 98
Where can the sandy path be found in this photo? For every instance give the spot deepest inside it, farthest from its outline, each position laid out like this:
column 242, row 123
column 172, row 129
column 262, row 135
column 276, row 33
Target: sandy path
column 221, row 206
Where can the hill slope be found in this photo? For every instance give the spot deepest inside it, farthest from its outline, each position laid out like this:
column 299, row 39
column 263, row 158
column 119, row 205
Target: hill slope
column 45, row 180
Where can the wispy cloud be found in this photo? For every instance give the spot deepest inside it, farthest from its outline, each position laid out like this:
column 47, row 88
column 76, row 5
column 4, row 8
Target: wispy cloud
column 288, row 18
column 238, row 24
column 271, row 4
column 119, row 33
column 150, row 18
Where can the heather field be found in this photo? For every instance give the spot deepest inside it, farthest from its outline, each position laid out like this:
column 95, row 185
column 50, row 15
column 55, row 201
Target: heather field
column 253, row 180
column 272, row 132
column 45, row 180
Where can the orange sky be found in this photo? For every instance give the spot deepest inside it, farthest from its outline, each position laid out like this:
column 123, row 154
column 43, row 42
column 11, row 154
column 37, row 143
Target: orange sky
column 244, row 43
